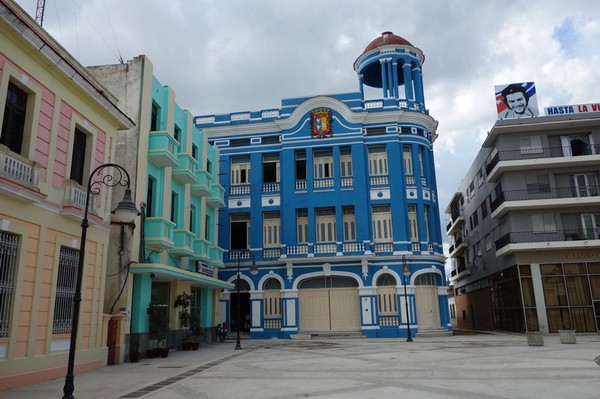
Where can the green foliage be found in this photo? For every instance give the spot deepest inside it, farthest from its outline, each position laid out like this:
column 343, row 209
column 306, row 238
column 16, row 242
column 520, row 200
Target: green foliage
column 158, row 314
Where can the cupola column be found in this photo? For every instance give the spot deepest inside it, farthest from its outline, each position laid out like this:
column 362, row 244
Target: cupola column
column 418, row 79
column 408, row 84
column 361, row 86
column 384, row 83
column 396, row 92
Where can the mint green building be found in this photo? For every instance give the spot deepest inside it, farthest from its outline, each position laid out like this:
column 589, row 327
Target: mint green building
column 174, row 250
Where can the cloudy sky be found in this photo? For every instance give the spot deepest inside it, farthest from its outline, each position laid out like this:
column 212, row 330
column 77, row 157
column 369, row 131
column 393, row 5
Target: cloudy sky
column 222, row 56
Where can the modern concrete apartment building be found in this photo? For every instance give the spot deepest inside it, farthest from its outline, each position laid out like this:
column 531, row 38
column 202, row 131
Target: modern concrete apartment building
column 524, row 226
column 58, row 125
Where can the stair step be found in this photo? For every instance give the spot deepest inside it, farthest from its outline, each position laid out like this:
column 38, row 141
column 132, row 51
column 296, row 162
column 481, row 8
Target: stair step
column 434, row 332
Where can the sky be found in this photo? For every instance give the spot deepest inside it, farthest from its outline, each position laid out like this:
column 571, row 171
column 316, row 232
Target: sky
column 223, row 56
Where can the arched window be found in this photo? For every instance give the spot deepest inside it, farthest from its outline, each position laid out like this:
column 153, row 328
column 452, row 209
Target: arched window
column 272, row 284
column 426, row 279
column 244, row 286
column 385, row 280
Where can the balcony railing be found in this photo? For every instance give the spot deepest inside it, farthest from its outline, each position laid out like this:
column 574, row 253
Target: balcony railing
column 320, row 183
column 547, row 236
column 379, row 180
column 538, row 153
column 270, row 187
column 162, row 149
column 549, row 193
column 17, row 168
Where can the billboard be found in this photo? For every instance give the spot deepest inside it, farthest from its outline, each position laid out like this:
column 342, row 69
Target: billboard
column 516, row 100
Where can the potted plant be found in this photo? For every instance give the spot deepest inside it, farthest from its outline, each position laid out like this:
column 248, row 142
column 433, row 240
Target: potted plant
column 158, row 314
column 134, row 350
column 535, row 337
column 567, row 333
column 196, row 330
column 184, row 302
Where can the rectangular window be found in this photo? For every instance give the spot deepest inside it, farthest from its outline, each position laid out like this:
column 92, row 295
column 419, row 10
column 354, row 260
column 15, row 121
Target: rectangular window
column 240, row 170
column 209, row 167
column 349, row 223
column 412, row 221
column 78, row 157
column 174, row 207
column 530, row 144
column 537, row 184
column 382, row 223
column 484, row 209
column 543, row 223
column 271, row 229
column 154, row 118
column 207, row 228
column 585, row 185
column 150, row 193
column 195, row 152
column 240, row 230
column 407, row 158
column 9, row 251
column 177, row 133
column 378, row 163
column 346, row 162
column 300, row 165
column 323, row 164
column 192, row 219
column 426, row 220
column 271, row 168
column 421, row 164
column 65, row 290
column 13, row 123
column 325, row 223
column 302, row 226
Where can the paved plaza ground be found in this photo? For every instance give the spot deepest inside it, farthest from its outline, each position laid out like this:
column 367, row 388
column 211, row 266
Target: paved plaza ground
column 482, row 366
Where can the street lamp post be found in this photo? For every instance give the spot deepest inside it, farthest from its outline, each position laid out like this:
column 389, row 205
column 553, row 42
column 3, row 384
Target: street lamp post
column 253, row 271
column 405, row 274
column 126, row 212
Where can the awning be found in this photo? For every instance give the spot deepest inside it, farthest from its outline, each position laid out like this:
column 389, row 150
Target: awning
column 167, row 273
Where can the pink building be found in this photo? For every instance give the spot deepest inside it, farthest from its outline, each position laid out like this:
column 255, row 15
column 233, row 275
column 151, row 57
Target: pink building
column 58, row 125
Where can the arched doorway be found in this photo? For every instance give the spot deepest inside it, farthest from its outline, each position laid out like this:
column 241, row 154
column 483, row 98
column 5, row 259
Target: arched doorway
column 329, row 303
column 426, row 299
column 387, row 300
column 272, row 303
column 244, row 301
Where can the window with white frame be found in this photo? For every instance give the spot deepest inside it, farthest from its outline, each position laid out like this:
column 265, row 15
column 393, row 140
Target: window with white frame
column 382, row 223
column 345, row 162
column 271, row 229
column 9, row 251
column 412, row 221
column 240, row 170
column 586, row 184
column 426, row 220
column 349, row 223
column 378, row 163
column 421, row 164
column 13, row 123
column 302, row 226
column 530, row 144
column 323, row 163
column 270, row 168
column 65, row 290
column 325, row 223
column 407, row 157
column 543, row 223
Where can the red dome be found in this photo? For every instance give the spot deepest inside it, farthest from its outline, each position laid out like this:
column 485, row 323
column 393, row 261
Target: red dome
column 387, row 38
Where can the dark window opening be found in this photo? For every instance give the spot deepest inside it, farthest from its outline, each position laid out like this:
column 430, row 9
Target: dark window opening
column 78, row 158
column 300, row 165
column 13, row 123
column 239, row 235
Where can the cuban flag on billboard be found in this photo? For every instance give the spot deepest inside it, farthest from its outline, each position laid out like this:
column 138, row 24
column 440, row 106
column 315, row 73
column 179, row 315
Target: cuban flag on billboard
column 516, row 100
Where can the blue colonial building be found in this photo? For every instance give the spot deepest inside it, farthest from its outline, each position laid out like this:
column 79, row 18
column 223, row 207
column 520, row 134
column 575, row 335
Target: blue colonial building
column 333, row 199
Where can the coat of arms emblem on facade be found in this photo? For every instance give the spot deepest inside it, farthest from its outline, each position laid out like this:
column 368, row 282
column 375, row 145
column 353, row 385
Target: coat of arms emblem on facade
column 320, row 123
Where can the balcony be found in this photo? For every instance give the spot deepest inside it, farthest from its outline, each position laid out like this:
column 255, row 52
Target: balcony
column 455, row 224
column 239, row 189
column 216, row 199
column 553, row 157
column 158, row 233
column 459, row 273
column 379, row 181
column 183, row 243
column 162, row 149
column 270, row 187
column 550, row 240
column 458, row 247
column 22, row 172
column 74, row 200
column 201, row 249
column 556, row 197
column 201, row 187
column 323, row 183
column 185, row 171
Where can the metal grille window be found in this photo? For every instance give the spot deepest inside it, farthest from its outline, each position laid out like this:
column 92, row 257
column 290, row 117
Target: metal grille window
column 9, row 249
column 65, row 290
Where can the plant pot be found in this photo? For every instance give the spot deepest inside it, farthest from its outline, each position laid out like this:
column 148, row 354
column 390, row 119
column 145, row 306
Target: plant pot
column 135, row 357
column 186, row 346
column 162, row 352
column 567, row 336
column 535, row 338
column 151, row 353
column 195, row 346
